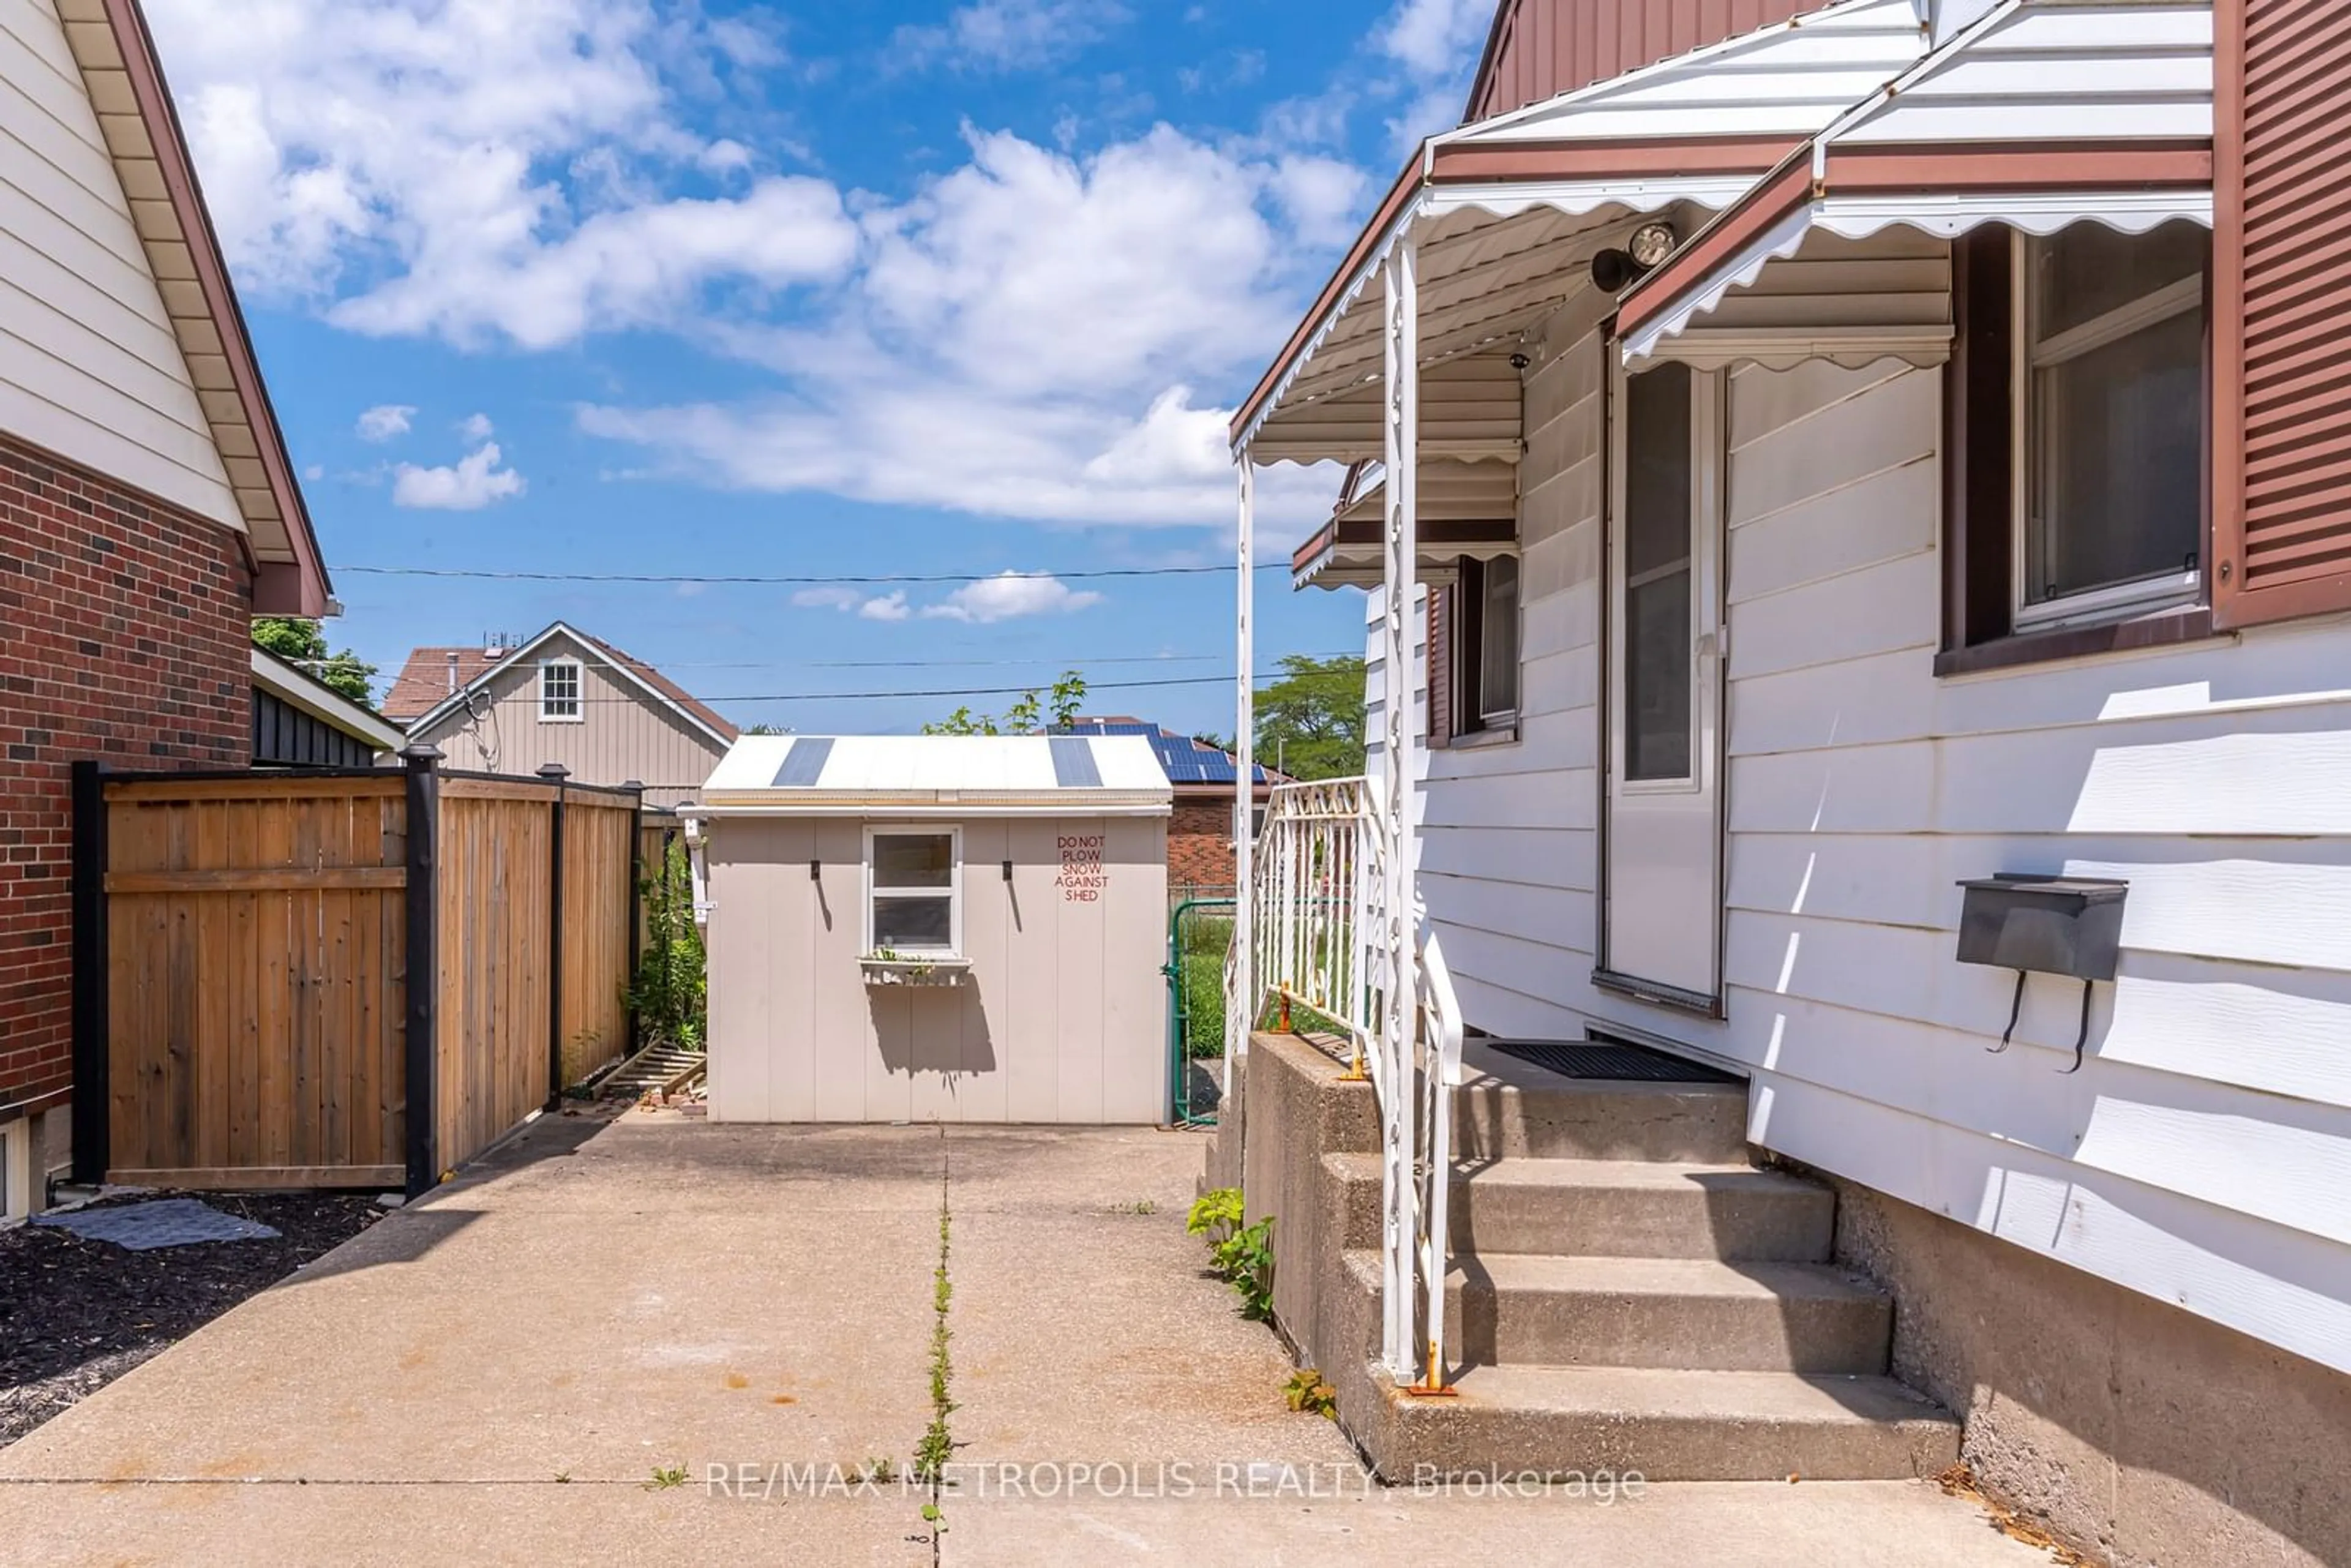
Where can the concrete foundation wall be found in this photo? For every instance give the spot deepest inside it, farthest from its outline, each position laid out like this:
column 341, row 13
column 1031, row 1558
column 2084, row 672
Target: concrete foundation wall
column 2135, row 1430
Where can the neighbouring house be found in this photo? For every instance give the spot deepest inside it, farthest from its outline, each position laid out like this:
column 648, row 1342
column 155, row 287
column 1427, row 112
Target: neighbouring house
column 565, row 698
column 148, row 507
column 299, row 721
column 1865, row 612
column 1200, row 830
column 952, row 927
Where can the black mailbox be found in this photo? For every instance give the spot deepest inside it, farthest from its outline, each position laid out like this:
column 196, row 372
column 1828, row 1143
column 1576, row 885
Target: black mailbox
column 2046, row 924
column 2043, row 924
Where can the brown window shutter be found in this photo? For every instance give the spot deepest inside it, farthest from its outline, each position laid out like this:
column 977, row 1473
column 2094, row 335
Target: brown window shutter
column 2281, row 293
column 1440, row 667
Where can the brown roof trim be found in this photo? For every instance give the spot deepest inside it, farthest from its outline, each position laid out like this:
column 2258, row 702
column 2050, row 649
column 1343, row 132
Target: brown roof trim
column 1980, row 167
column 1455, row 163
column 302, row 587
column 1406, row 183
column 1733, row 228
column 1323, row 538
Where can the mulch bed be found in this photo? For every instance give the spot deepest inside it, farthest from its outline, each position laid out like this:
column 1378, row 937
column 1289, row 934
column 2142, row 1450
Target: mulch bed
column 79, row 1314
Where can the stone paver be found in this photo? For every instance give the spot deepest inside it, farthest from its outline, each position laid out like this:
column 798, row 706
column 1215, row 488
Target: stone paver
column 492, row 1375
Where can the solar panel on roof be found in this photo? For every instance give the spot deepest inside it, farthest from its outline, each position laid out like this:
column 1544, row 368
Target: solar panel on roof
column 1073, row 763
column 804, row 763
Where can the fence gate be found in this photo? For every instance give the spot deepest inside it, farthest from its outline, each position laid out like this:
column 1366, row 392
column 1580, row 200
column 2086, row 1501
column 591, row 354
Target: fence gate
column 272, row 969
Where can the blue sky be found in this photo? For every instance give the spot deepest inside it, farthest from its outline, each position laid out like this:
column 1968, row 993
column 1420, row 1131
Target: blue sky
column 638, row 286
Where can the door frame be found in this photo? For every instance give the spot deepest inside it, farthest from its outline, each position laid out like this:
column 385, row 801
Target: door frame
column 1710, row 467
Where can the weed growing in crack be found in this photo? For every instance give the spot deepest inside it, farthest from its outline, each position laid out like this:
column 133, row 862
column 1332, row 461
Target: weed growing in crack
column 937, row 1448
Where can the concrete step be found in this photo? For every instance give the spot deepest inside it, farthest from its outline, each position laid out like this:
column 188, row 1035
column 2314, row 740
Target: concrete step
column 1506, row 1108
column 1610, row 1208
column 1687, row 1313
column 1667, row 1425
column 1638, row 1209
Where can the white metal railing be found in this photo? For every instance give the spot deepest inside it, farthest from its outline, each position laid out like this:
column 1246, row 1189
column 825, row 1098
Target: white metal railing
column 1321, row 942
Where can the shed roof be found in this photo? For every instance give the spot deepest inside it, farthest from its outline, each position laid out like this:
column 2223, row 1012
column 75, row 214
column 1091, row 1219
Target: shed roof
column 937, row 776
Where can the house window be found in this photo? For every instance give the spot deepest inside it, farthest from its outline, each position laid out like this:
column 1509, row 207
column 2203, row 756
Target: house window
column 1485, row 651
column 2076, row 444
column 1659, row 696
column 559, row 691
column 2109, row 408
column 915, row 880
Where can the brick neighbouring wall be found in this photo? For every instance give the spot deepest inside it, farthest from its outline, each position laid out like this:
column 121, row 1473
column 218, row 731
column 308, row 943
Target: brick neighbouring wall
column 124, row 631
column 1200, row 844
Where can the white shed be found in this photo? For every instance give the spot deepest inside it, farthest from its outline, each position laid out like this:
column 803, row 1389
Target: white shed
column 963, row 927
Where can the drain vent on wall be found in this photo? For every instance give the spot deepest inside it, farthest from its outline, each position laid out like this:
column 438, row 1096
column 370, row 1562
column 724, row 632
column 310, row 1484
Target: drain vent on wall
column 1609, row 1059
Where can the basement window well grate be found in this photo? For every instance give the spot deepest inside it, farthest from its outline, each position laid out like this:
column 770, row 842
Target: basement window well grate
column 1608, row 1060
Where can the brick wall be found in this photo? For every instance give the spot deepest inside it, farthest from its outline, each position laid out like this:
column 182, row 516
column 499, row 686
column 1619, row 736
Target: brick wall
column 123, row 635
column 1200, row 844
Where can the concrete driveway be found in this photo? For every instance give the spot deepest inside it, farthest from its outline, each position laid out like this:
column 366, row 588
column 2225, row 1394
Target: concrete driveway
column 495, row 1375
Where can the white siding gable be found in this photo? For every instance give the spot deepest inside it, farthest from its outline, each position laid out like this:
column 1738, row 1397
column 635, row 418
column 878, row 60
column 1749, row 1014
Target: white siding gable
column 89, row 366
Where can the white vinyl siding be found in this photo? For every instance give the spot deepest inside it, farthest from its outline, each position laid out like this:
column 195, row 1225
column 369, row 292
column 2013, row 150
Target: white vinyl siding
column 89, row 366
column 2202, row 1155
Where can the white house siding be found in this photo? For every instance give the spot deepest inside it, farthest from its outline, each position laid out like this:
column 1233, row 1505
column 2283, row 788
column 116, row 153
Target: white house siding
column 2202, row 1155
column 89, row 367
column 623, row 733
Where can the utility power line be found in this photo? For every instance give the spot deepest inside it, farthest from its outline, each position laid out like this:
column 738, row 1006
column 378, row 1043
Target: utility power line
column 851, row 580
column 1092, row 687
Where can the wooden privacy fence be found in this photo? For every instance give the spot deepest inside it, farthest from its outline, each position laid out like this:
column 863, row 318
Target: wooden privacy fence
column 272, row 970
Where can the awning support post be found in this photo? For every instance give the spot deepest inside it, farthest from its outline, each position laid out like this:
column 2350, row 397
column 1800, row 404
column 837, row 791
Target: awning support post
column 1245, row 762
column 1399, row 1013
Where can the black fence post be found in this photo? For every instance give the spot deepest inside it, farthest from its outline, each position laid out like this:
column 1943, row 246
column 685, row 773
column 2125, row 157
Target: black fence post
column 92, row 1093
column 555, row 773
column 423, row 982
column 636, row 901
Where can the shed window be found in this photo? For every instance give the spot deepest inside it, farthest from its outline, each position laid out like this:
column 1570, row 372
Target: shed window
column 2076, row 444
column 915, row 879
column 559, row 691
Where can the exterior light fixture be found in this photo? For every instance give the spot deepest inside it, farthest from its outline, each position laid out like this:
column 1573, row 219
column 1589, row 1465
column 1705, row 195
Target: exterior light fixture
column 1651, row 244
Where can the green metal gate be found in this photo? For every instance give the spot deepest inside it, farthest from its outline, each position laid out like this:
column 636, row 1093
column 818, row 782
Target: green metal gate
column 1197, row 935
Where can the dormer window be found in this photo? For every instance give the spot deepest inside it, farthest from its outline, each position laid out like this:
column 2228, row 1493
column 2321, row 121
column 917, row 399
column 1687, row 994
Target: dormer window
column 559, row 691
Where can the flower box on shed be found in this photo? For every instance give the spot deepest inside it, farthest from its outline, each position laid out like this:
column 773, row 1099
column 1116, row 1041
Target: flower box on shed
column 942, row 970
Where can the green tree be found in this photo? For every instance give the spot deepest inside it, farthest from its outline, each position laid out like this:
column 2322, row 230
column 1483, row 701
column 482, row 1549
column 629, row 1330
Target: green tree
column 1036, row 708
column 764, row 729
column 304, row 643
column 1310, row 722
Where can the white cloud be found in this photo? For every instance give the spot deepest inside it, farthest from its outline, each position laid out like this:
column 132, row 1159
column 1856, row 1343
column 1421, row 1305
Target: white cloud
column 1008, row 34
column 475, row 482
column 475, row 428
column 1435, row 43
column 1014, row 338
column 827, row 598
column 408, row 160
column 1323, row 197
column 384, row 421
column 881, row 607
column 1021, row 339
column 1009, row 595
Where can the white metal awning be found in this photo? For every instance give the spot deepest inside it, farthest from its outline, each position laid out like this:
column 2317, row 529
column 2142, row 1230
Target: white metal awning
column 1506, row 215
column 2106, row 90
column 1464, row 508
